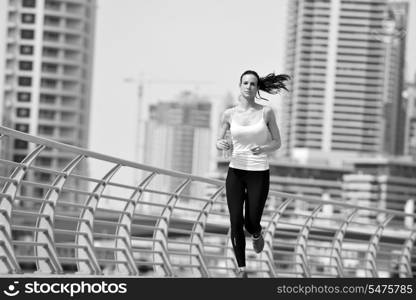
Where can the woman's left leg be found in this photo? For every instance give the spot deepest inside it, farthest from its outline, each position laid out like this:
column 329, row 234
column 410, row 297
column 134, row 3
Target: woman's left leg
column 258, row 183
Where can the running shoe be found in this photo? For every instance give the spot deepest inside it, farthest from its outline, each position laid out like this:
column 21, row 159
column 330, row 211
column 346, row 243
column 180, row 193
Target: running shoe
column 258, row 243
column 242, row 274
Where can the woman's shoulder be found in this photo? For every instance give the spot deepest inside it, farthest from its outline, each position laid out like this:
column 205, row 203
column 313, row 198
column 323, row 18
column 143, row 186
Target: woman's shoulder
column 227, row 113
column 268, row 113
column 266, row 109
column 229, row 110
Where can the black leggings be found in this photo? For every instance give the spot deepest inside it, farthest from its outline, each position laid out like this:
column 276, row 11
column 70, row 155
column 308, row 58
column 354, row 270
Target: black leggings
column 251, row 187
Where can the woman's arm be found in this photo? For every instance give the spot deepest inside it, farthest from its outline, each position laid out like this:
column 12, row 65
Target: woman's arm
column 275, row 143
column 222, row 144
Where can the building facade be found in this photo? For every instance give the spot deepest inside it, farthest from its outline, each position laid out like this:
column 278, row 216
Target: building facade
column 346, row 61
column 410, row 129
column 178, row 137
column 385, row 183
column 46, row 61
column 46, row 56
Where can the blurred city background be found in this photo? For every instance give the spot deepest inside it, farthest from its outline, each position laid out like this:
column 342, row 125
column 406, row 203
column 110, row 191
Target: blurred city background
column 147, row 81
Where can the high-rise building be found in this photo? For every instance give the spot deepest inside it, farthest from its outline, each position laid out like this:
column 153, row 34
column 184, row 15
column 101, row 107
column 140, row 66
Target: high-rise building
column 46, row 57
column 346, row 61
column 393, row 37
column 410, row 128
column 178, row 137
column 386, row 183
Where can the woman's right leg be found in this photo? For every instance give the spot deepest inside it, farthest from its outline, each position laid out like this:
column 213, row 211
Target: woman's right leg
column 258, row 184
column 235, row 190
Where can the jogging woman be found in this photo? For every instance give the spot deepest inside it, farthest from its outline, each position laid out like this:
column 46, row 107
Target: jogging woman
column 254, row 134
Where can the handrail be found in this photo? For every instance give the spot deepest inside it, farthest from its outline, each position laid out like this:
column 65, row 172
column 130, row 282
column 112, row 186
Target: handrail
column 62, row 220
column 53, row 144
column 87, row 153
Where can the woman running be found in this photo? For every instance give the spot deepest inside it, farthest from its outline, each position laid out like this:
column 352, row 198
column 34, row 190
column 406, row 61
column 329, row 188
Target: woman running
column 254, row 134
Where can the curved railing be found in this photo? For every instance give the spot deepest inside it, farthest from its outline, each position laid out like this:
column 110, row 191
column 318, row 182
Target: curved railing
column 57, row 219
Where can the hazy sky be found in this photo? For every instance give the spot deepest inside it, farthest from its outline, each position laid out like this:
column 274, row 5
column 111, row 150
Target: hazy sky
column 198, row 40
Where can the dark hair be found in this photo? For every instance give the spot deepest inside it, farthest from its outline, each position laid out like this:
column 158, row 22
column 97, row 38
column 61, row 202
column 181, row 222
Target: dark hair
column 271, row 83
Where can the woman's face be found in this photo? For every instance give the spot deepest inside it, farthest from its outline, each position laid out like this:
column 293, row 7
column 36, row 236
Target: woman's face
column 248, row 86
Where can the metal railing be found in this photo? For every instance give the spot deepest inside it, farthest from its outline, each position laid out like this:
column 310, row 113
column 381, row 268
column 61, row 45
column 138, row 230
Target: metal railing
column 57, row 219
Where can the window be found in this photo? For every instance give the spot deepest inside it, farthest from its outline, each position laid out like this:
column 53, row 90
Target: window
column 62, row 162
column 68, row 101
column 48, row 83
column 53, row 5
column 10, row 64
column 28, row 18
column 74, row 8
column 23, row 112
column 46, row 130
column 45, row 161
column 22, row 127
column 23, row 97
column 47, row 67
column 26, row 50
column 44, row 177
column 51, row 36
column 25, row 65
column 19, row 144
column 51, row 52
column 52, row 21
column 38, row 192
column 18, row 158
column 47, row 98
column 68, row 116
column 46, row 114
column 11, row 48
column 27, row 34
column 25, row 81
column 29, row 3
column 11, row 32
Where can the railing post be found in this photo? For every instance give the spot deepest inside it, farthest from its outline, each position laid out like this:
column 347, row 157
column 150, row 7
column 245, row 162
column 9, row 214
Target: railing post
column 197, row 237
column 269, row 236
column 371, row 253
column 405, row 259
column 160, row 236
column 10, row 189
column 300, row 249
column 124, row 230
column 46, row 235
column 336, row 248
column 86, row 226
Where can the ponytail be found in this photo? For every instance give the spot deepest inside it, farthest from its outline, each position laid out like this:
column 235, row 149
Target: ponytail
column 271, row 83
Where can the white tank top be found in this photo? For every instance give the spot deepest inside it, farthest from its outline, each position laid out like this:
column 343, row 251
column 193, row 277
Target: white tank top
column 245, row 137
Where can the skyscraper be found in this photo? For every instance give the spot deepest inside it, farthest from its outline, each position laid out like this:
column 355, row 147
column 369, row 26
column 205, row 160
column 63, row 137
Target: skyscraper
column 178, row 137
column 176, row 132
column 410, row 131
column 386, row 183
column 46, row 56
column 346, row 61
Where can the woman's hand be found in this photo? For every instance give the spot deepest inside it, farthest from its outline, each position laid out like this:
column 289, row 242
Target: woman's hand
column 222, row 144
column 256, row 150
